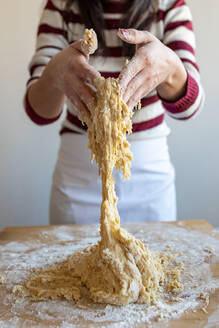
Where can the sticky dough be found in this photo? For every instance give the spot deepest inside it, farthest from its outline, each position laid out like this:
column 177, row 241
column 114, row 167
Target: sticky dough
column 119, row 269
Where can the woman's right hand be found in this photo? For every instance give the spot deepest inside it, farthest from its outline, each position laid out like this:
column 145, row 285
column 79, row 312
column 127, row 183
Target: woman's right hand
column 69, row 72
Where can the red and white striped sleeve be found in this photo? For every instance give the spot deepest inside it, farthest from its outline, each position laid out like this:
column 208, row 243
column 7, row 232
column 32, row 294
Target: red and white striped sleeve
column 51, row 38
column 179, row 36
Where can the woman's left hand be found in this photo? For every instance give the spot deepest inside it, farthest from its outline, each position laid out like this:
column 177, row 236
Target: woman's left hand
column 154, row 66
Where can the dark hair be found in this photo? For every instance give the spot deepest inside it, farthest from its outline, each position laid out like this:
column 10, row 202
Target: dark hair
column 138, row 14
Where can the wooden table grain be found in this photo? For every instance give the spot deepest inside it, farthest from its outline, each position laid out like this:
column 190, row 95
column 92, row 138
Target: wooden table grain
column 197, row 319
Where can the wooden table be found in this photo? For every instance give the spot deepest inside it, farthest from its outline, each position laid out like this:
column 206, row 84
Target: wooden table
column 197, row 319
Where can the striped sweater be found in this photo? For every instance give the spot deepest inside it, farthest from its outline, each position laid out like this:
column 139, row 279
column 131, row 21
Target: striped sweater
column 58, row 28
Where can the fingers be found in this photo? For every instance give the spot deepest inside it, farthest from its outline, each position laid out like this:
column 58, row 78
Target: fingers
column 85, row 93
column 79, row 79
column 88, row 45
column 128, row 72
column 88, row 73
column 78, row 103
column 80, row 66
column 75, row 85
column 134, row 36
column 134, row 85
column 136, row 97
column 143, row 83
column 77, row 45
column 142, row 60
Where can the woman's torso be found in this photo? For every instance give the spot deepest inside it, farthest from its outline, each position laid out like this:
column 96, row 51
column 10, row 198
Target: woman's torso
column 149, row 121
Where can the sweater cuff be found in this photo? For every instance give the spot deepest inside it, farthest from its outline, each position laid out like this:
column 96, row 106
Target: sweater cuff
column 39, row 120
column 184, row 103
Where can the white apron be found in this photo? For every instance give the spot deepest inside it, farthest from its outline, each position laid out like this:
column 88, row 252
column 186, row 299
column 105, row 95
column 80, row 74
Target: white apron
column 76, row 188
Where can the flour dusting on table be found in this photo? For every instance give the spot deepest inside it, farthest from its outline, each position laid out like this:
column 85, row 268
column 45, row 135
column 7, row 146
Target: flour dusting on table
column 18, row 259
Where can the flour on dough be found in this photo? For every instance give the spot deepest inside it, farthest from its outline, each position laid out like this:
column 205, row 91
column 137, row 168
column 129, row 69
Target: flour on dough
column 119, row 269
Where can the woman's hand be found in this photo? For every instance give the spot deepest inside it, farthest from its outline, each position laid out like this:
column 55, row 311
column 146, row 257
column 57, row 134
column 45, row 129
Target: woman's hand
column 69, row 72
column 154, row 66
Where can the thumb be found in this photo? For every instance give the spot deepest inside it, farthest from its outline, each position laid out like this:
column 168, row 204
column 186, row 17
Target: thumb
column 88, row 45
column 78, row 45
column 134, row 36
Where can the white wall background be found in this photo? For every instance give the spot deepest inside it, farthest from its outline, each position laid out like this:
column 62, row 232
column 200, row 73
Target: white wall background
column 195, row 144
column 28, row 152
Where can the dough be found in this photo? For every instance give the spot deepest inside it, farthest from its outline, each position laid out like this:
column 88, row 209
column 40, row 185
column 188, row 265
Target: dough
column 89, row 44
column 119, row 269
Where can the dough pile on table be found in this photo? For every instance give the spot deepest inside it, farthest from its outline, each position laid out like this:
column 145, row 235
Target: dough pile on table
column 119, row 269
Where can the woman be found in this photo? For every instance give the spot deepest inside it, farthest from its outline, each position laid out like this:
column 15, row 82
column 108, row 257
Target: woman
column 162, row 73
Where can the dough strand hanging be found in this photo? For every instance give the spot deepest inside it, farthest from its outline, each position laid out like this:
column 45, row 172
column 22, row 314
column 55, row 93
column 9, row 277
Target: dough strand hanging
column 119, row 269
